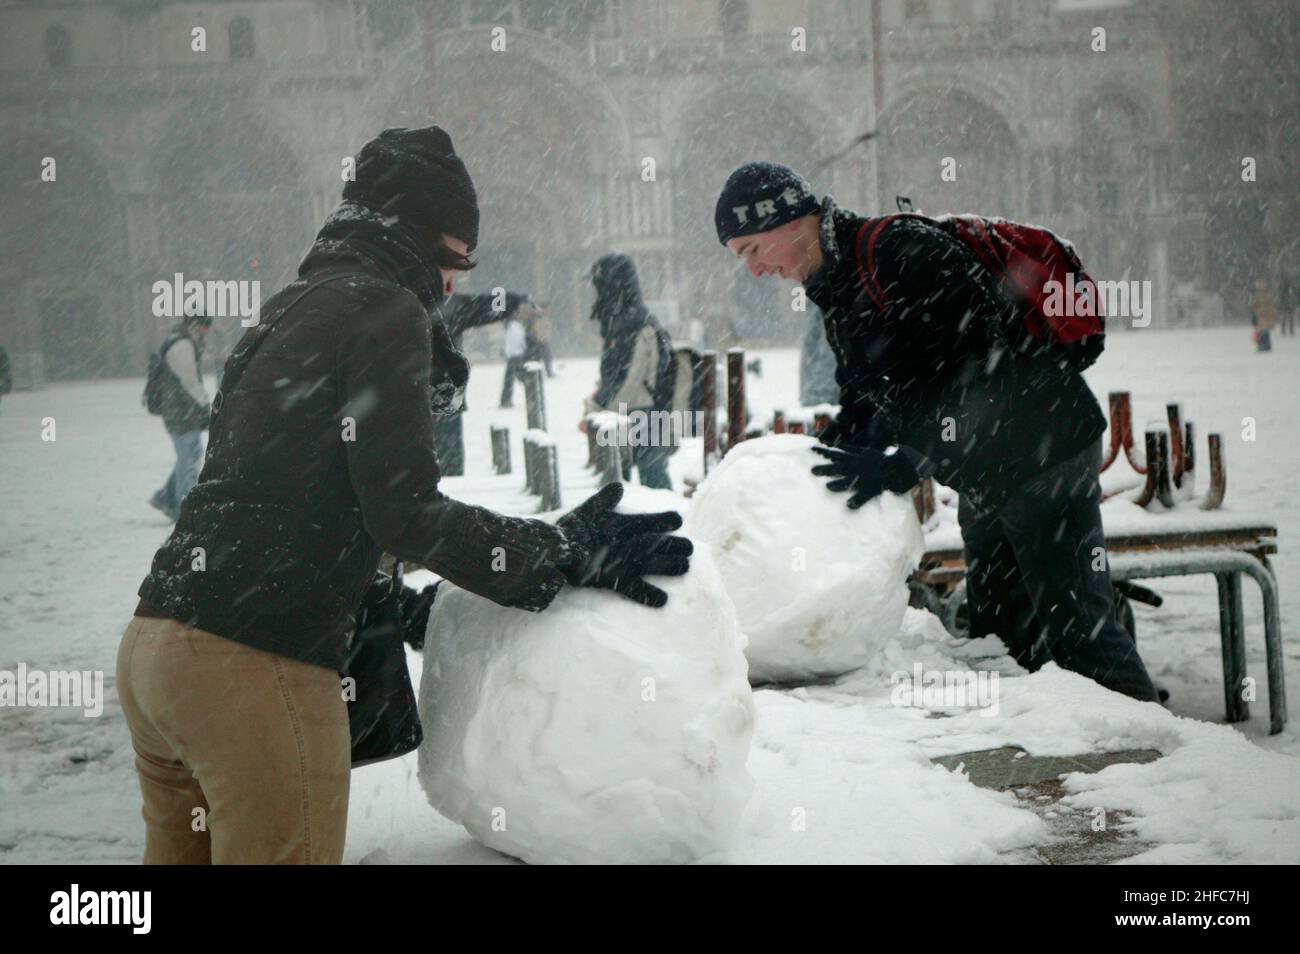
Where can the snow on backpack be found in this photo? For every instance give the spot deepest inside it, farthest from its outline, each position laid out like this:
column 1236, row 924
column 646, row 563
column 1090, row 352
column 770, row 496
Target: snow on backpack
column 1041, row 270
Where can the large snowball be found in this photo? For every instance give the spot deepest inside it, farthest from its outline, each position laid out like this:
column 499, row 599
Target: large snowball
column 819, row 587
column 596, row 731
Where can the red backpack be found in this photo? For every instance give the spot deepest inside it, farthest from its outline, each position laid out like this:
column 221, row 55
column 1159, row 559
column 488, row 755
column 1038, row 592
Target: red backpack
column 1026, row 258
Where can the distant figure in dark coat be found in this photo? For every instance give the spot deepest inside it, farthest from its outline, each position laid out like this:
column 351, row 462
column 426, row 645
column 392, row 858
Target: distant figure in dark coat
column 634, row 359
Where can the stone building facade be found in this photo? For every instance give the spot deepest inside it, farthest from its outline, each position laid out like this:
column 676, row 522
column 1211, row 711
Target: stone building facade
column 592, row 125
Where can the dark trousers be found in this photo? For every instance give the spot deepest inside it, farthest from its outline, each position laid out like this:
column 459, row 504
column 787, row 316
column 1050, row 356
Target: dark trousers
column 541, row 351
column 514, row 369
column 1035, row 579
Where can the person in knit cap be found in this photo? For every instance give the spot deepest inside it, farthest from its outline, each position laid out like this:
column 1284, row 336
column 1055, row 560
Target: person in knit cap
column 320, row 459
column 937, row 377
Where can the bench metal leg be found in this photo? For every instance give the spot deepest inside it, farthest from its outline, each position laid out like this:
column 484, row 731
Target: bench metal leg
column 1232, row 634
column 1263, row 575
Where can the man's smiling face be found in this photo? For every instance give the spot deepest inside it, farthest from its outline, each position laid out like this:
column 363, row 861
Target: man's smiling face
column 792, row 250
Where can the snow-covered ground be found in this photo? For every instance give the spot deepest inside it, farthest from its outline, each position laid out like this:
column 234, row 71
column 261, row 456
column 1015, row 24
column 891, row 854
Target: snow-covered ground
column 841, row 772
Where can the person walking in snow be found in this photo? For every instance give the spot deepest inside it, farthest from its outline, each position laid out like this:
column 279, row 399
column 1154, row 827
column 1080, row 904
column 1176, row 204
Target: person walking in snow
column 514, row 348
column 537, row 336
column 1263, row 314
column 321, row 458
column 939, row 381
column 461, row 313
column 184, row 407
column 635, row 360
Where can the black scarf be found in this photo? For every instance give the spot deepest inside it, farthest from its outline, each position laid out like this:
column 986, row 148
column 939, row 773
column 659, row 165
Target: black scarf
column 357, row 236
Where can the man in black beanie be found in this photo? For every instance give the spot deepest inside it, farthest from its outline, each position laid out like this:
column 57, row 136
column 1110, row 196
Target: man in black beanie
column 937, row 379
column 320, row 459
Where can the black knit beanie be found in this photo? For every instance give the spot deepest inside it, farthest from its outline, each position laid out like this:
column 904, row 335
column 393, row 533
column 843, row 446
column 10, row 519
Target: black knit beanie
column 760, row 196
column 415, row 175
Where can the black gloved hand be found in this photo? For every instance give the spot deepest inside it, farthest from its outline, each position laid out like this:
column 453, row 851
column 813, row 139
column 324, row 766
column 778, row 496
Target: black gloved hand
column 865, row 471
column 415, row 613
column 615, row 550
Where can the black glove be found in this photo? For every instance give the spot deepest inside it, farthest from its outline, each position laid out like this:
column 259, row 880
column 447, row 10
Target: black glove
column 865, row 471
column 416, row 605
column 615, row 550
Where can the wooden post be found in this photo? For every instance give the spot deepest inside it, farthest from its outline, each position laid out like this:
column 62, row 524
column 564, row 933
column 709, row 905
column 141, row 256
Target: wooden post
column 821, row 422
column 1218, row 475
column 535, row 395
column 778, row 422
column 1164, row 483
column 795, row 427
column 735, row 397
column 550, row 461
column 1153, row 470
column 1175, row 412
column 709, row 405
column 530, row 466
column 611, row 459
column 500, row 449
column 1189, row 452
column 1118, row 400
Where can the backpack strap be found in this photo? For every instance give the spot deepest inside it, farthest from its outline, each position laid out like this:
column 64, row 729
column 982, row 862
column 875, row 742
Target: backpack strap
column 864, row 248
column 235, row 370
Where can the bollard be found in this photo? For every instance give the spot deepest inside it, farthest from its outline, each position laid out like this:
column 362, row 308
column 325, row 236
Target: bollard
column 1164, row 483
column 795, row 427
column 709, row 405
column 535, row 395
column 1218, row 475
column 735, row 397
column 1175, row 412
column 611, row 459
column 778, row 422
column 500, row 449
column 1158, row 485
column 821, row 422
column 530, row 466
column 550, row 477
column 1121, row 430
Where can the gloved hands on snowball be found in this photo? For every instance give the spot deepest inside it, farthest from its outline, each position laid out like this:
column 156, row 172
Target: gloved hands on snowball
column 616, row 550
column 865, row 471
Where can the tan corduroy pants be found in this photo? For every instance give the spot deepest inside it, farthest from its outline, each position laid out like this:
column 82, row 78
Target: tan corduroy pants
column 244, row 756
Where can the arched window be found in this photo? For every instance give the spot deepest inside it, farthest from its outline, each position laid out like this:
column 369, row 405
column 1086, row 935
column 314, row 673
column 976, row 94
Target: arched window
column 240, row 32
column 58, row 47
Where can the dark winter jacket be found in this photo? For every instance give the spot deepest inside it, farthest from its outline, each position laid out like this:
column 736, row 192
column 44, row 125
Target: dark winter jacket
column 182, row 412
column 627, row 329
column 945, row 370
column 321, row 457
